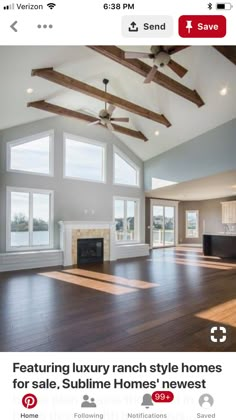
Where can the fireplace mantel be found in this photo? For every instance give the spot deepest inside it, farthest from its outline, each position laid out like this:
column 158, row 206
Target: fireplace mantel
column 69, row 228
column 87, row 224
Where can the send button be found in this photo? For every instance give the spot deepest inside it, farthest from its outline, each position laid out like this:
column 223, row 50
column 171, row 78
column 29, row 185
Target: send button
column 147, row 26
column 157, row 27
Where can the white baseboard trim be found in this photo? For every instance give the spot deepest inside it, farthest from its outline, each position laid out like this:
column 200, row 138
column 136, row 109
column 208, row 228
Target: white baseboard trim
column 13, row 261
column 132, row 251
column 191, row 245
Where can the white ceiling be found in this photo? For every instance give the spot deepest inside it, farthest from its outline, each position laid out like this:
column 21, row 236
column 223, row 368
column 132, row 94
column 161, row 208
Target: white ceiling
column 216, row 186
column 208, row 72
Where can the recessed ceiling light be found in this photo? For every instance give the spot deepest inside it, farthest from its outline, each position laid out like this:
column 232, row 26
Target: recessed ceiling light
column 29, row 90
column 223, row 91
column 157, row 133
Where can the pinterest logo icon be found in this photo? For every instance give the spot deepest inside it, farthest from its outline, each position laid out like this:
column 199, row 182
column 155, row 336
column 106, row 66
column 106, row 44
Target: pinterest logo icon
column 29, row 401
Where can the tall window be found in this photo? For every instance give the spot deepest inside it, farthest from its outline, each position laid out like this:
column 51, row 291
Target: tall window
column 126, row 214
column 29, row 223
column 32, row 154
column 192, row 224
column 125, row 171
column 84, row 159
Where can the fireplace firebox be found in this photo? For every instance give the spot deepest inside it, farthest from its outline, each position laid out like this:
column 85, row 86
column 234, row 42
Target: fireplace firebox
column 89, row 250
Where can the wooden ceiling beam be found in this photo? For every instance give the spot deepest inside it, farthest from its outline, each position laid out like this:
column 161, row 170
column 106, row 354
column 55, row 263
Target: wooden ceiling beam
column 65, row 112
column 70, row 83
column 228, row 52
column 118, row 55
column 173, row 49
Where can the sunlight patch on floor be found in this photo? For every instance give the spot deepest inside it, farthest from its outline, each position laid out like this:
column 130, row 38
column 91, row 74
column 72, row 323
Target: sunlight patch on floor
column 189, row 248
column 89, row 283
column 194, row 263
column 139, row 284
column 204, row 259
column 192, row 254
column 224, row 313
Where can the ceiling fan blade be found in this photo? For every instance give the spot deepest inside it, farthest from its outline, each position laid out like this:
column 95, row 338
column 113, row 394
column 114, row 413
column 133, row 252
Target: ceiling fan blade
column 111, row 109
column 120, row 119
column 150, row 75
column 109, row 126
column 94, row 122
column 132, row 54
column 177, row 68
column 173, row 49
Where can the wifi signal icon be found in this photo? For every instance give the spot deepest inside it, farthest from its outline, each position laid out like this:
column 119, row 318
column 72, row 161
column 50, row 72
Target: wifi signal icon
column 51, row 5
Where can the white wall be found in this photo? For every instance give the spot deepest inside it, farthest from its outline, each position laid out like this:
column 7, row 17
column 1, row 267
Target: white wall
column 209, row 154
column 71, row 197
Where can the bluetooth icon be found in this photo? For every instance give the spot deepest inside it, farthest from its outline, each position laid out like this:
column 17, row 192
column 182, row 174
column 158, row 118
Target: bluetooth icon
column 210, row 6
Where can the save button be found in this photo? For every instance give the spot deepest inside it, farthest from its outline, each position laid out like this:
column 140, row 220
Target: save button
column 203, row 26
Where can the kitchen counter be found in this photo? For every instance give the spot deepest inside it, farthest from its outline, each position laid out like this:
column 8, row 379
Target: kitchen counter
column 221, row 234
column 220, row 245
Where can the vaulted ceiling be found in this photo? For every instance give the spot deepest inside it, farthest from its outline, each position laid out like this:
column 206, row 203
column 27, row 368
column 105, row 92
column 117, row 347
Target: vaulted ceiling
column 208, row 72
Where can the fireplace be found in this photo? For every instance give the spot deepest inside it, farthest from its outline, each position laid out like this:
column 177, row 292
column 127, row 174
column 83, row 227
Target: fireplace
column 70, row 232
column 89, row 250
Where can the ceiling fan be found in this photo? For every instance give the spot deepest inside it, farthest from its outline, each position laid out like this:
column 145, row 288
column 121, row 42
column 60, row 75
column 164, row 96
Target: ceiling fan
column 161, row 56
column 105, row 115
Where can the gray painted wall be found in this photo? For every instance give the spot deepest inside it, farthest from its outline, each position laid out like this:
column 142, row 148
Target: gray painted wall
column 209, row 213
column 211, row 153
column 71, row 197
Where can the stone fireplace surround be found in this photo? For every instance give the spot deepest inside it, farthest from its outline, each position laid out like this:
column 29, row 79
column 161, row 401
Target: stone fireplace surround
column 70, row 232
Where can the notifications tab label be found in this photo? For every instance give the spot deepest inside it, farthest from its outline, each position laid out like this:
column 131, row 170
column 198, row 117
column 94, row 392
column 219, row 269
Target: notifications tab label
column 203, row 26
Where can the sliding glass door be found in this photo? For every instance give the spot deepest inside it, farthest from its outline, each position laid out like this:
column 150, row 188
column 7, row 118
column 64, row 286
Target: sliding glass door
column 163, row 226
column 169, row 226
column 157, row 226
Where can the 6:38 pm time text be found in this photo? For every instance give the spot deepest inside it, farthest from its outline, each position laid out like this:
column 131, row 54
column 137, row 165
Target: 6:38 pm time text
column 118, row 6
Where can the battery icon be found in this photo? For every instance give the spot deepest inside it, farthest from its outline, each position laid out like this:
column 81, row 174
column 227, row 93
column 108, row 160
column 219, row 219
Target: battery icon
column 224, row 6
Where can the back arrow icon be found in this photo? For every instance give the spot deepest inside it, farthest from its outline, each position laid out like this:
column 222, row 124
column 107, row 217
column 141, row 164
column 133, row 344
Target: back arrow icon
column 13, row 26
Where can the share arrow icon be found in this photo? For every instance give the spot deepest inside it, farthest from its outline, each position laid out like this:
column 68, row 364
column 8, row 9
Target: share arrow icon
column 133, row 27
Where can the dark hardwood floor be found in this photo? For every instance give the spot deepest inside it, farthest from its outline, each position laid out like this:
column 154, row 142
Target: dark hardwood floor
column 193, row 293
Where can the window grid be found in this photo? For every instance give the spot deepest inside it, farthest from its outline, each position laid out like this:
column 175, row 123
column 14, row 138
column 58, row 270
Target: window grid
column 125, row 235
column 192, row 224
column 30, row 193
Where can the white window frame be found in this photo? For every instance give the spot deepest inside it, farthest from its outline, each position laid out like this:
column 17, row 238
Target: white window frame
column 129, row 162
column 165, row 203
column 29, row 139
column 186, row 224
column 137, row 225
column 87, row 141
column 31, row 191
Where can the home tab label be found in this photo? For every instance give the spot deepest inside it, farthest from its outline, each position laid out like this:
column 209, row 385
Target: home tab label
column 194, row 26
